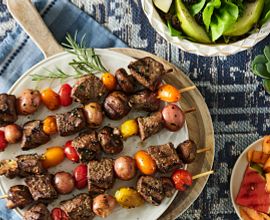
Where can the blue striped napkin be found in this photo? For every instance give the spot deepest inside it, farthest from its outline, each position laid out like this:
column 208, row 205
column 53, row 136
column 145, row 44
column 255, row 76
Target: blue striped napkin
column 18, row 53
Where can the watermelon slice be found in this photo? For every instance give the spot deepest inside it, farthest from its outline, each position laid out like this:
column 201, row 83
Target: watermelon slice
column 252, row 193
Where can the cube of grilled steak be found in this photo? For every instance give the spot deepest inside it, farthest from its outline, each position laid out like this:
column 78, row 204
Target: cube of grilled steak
column 41, row 188
column 147, row 72
column 8, row 114
column 165, row 157
column 78, row 208
column 87, row 146
column 100, row 175
column 33, row 135
column 18, row 196
column 126, row 82
column 168, row 187
column 88, row 89
column 70, row 122
column 30, row 164
column 9, row 168
column 38, row 211
column 187, row 151
column 110, row 140
column 151, row 189
column 145, row 100
column 150, row 125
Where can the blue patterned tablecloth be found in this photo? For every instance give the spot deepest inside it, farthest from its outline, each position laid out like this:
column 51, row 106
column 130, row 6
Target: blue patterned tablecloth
column 238, row 104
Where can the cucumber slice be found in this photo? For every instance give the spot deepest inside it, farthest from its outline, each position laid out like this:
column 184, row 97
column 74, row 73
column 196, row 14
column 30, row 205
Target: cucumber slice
column 189, row 25
column 250, row 17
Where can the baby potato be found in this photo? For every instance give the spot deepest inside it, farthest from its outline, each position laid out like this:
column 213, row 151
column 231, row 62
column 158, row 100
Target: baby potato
column 174, row 117
column 125, row 167
column 13, row 133
column 103, row 205
column 128, row 198
column 94, row 114
column 129, row 128
column 29, row 101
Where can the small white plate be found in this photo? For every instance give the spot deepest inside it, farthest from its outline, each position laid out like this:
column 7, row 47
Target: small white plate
column 239, row 171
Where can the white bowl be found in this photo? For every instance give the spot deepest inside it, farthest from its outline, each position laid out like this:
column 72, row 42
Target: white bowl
column 202, row 49
column 239, row 171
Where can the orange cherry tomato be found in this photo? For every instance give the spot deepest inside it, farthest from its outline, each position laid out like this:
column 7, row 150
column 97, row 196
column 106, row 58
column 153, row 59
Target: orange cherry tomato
column 49, row 125
column 50, row 99
column 168, row 93
column 53, row 156
column 145, row 163
column 109, row 81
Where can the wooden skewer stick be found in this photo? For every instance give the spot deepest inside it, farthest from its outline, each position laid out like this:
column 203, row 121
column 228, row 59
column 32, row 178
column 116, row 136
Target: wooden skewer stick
column 192, row 109
column 3, row 196
column 203, row 150
column 187, row 89
column 202, row 174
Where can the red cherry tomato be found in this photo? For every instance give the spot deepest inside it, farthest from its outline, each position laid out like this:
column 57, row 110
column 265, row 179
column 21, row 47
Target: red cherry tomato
column 80, row 176
column 58, row 214
column 3, row 141
column 71, row 152
column 181, row 178
column 65, row 95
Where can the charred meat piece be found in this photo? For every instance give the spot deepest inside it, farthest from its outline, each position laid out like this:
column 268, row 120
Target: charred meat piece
column 87, row 146
column 70, row 122
column 78, row 208
column 110, row 140
column 187, row 151
column 125, row 81
column 88, row 89
column 100, row 175
column 150, row 125
column 145, row 100
column 33, row 135
column 30, row 164
column 168, row 187
column 147, row 72
column 37, row 212
column 8, row 114
column 116, row 105
column 41, row 188
column 165, row 157
column 151, row 189
column 19, row 196
column 9, row 168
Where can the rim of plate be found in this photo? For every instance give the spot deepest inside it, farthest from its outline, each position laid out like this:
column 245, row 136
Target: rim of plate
column 243, row 154
column 198, row 48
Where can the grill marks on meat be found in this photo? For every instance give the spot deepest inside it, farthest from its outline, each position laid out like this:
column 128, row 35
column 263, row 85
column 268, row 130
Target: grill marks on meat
column 30, row 164
column 116, row 105
column 145, row 100
column 78, row 208
column 151, row 189
column 150, row 125
column 88, row 89
column 19, row 196
column 165, row 157
column 8, row 114
column 33, row 135
column 187, row 151
column 100, row 176
column 37, row 212
column 168, row 187
column 41, row 188
column 125, row 81
column 70, row 122
column 111, row 140
column 87, row 146
column 147, row 72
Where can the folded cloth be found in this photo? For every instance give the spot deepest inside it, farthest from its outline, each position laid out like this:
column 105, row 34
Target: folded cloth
column 18, row 52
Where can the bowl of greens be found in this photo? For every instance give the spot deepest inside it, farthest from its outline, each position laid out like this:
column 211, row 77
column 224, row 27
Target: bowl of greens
column 210, row 27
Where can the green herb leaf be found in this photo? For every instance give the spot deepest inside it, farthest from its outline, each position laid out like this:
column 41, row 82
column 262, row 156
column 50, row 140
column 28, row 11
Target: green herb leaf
column 266, row 85
column 266, row 12
column 266, row 52
column 258, row 59
column 208, row 12
column 197, row 7
column 260, row 70
column 173, row 31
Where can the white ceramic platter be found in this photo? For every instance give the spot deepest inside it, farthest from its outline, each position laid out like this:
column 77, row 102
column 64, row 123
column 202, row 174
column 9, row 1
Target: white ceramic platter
column 239, row 171
column 112, row 61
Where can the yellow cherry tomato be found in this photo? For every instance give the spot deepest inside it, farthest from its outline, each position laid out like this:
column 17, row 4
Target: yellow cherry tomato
column 53, row 156
column 128, row 197
column 50, row 99
column 145, row 163
column 49, row 125
column 168, row 93
column 109, row 81
column 129, row 128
